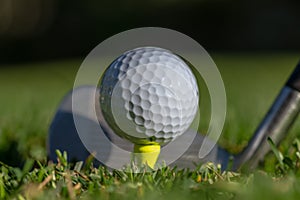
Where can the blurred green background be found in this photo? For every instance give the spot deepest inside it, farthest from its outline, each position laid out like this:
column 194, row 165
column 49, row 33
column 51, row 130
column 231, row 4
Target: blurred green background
column 255, row 45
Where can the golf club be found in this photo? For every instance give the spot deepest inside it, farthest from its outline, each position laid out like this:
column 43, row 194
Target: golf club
column 275, row 124
column 63, row 134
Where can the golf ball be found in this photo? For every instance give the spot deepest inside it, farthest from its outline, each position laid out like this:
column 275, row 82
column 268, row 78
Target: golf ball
column 149, row 95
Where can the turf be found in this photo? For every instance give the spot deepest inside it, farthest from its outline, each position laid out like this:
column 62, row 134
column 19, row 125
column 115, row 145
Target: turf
column 31, row 92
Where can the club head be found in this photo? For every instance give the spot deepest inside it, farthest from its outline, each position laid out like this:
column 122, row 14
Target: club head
column 63, row 135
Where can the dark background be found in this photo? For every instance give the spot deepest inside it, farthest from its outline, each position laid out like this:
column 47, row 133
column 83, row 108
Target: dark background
column 34, row 30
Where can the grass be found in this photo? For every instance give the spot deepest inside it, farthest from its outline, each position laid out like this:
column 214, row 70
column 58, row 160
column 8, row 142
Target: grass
column 66, row 181
column 31, row 93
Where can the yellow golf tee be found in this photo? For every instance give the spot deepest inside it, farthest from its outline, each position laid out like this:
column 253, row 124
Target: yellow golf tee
column 146, row 154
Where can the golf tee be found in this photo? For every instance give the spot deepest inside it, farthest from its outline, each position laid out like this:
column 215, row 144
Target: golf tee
column 146, row 154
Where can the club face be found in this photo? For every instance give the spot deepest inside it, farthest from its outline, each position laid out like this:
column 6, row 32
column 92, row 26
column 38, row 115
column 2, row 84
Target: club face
column 63, row 135
column 190, row 158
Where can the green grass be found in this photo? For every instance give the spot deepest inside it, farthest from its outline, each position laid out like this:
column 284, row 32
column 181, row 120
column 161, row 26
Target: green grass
column 66, row 181
column 31, row 92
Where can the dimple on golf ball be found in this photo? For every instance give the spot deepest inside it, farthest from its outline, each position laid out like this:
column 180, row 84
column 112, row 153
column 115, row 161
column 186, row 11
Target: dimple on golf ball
column 149, row 95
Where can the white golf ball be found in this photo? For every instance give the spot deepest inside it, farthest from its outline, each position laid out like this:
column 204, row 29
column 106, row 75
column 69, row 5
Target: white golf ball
column 149, row 95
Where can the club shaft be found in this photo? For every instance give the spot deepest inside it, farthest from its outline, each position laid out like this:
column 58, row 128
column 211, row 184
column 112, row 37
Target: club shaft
column 275, row 124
